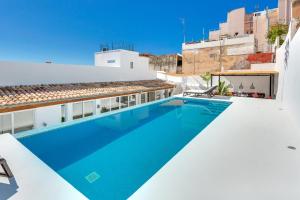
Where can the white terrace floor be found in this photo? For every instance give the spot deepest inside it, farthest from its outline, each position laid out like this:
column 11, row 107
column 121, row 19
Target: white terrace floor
column 242, row 154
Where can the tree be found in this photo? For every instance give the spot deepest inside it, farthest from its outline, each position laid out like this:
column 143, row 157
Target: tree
column 278, row 30
column 206, row 77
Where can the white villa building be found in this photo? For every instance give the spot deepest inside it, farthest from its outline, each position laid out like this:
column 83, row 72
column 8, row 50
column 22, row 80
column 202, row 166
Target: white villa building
column 35, row 95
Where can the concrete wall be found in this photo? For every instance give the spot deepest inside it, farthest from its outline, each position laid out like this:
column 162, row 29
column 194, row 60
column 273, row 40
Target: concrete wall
column 287, row 62
column 19, row 73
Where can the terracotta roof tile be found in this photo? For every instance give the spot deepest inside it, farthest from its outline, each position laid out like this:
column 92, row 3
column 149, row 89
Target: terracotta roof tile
column 14, row 96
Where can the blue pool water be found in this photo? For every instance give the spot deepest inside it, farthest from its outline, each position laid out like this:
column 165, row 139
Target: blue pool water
column 111, row 157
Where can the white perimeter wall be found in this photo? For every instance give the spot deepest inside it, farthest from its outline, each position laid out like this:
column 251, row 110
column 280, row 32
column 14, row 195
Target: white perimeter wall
column 289, row 86
column 20, row 73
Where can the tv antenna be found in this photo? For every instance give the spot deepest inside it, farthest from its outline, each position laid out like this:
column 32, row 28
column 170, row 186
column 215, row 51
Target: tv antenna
column 256, row 7
column 182, row 20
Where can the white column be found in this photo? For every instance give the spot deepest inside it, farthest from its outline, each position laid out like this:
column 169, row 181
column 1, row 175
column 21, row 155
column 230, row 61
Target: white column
column 69, row 110
column 98, row 103
column 12, row 123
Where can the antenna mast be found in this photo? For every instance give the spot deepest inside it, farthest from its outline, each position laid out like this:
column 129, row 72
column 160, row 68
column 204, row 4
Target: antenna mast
column 182, row 20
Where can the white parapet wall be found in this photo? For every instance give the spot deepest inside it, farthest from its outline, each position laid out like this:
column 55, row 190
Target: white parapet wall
column 287, row 63
column 263, row 67
column 248, row 43
column 130, row 67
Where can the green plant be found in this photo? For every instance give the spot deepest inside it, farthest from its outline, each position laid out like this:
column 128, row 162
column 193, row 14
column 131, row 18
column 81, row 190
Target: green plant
column 223, row 89
column 278, row 30
column 206, row 77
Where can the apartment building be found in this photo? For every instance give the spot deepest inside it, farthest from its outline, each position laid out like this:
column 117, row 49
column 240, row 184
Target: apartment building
column 237, row 43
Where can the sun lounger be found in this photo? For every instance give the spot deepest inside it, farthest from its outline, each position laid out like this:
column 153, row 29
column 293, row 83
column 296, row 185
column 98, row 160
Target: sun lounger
column 6, row 169
column 208, row 92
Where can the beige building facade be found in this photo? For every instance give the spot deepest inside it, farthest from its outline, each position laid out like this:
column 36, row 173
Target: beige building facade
column 239, row 23
column 215, row 55
column 242, row 35
column 296, row 9
column 284, row 7
column 262, row 22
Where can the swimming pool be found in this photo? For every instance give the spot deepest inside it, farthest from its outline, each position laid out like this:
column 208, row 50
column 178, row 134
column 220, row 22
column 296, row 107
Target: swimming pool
column 110, row 157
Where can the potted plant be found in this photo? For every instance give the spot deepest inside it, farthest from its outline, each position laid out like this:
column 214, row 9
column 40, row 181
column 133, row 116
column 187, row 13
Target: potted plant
column 223, row 89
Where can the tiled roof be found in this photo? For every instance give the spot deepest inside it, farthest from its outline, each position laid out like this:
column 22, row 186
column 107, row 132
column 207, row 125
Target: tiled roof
column 38, row 95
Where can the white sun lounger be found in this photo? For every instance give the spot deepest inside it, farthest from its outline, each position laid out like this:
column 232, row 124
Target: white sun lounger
column 6, row 169
column 208, row 92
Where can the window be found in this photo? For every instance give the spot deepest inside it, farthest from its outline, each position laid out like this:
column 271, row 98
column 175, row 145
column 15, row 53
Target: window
column 124, row 101
column 132, row 100
column 144, row 98
column 115, row 103
column 77, row 110
column 105, row 105
column 213, row 56
column 89, row 108
column 151, row 96
column 5, row 123
column 131, row 65
column 23, row 121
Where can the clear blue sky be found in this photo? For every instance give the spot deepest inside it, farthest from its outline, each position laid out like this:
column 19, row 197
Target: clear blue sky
column 70, row 31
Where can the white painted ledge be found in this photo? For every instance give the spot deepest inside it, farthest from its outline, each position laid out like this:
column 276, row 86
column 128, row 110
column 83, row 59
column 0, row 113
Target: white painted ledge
column 33, row 179
column 243, row 154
